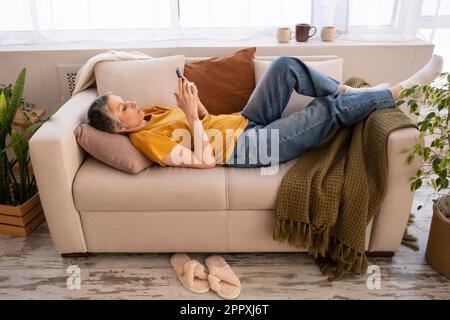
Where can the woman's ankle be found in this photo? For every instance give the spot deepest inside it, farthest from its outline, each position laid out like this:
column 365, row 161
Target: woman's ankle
column 395, row 90
column 342, row 88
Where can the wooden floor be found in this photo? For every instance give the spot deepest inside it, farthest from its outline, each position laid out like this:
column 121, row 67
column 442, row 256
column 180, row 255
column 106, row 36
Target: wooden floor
column 31, row 269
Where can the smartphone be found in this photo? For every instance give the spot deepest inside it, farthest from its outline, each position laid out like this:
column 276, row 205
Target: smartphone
column 178, row 72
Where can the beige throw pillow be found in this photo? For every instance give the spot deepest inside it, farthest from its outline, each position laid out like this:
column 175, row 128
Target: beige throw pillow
column 148, row 82
column 115, row 150
column 297, row 102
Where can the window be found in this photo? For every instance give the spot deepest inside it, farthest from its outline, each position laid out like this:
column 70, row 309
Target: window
column 444, row 8
column 434, row 26
column 16, row 17
column 243, row 13
column 103, row 14
column 435, row 8
column 372, row 13
column 35, row 21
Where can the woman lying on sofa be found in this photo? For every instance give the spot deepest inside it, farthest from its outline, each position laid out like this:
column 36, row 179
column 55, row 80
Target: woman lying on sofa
column 188, row 136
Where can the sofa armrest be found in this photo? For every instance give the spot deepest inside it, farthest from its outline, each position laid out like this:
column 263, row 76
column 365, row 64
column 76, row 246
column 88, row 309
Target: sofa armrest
column 56, row 158
column 390, row 223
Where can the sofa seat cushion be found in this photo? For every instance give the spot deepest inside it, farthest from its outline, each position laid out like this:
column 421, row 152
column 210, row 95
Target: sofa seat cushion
column 98, row 187
column 255, row 188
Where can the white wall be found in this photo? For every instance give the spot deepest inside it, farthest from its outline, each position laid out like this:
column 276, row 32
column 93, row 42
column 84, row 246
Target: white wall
column 375, row 62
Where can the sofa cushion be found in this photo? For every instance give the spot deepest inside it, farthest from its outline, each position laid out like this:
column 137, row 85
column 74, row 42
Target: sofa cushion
column 331, row 67
column 255, row 188
column 101, row 188
column 115, row 150
column 147, row 82
column 224, row 83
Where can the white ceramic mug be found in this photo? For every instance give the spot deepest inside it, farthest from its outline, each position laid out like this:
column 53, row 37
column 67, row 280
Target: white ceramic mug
column 285, row 34
column 329, row 33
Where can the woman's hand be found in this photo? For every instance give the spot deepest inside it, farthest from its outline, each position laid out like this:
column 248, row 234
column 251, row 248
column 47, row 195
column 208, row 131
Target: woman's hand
column 187, row 98
column 201, row 110
column 188, row 101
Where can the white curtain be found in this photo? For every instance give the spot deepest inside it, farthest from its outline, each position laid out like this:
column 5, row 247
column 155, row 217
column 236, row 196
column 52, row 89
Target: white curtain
column 73, row 21
column 383, row 20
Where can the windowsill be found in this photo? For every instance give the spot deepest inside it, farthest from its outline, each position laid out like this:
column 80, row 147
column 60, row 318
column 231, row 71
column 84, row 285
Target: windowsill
column 269, row 42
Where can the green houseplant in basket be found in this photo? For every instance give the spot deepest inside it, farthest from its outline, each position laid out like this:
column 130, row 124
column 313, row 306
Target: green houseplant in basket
column 20, row 209
column 432, row 104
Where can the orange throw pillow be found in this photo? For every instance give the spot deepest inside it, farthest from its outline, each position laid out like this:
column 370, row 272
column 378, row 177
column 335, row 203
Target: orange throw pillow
column 224, row 83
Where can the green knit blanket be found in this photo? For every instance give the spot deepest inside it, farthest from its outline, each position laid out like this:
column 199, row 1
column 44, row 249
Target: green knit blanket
column 332, row 192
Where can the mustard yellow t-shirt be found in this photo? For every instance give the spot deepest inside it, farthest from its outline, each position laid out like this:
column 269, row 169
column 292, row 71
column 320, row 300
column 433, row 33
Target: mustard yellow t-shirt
column 160, row 135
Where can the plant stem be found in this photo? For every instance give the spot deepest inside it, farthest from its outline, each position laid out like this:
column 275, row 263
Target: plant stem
column 13, row 177
column 5, row 183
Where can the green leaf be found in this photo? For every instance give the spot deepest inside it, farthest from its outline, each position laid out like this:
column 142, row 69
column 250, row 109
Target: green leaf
column 438, row 182
column 20, row 147
column 442, row 105
column 426, row 153
column 435, row 164
column 436, row 143
column 7, row 92
column 443, row 164
column 23, row 136
column 2, row 112
column 417, row 147
column 444, row 182
column 413, row 108
column 16, row 98
column 29, row 131
column 415, row 184
column 434, row 184
column 410, row 158
column 418, row 184
column 425, row 125
column 443, row 174
column 430, row 115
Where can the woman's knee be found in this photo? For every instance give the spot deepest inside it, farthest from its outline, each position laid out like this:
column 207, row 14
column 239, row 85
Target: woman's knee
column 285, row 65
column 284, row 62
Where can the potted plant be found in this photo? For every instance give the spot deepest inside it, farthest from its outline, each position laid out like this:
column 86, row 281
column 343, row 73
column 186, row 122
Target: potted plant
column 20, row 208
column 434, row 128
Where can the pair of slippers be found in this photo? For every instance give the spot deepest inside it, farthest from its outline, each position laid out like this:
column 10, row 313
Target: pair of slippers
column 220, row 277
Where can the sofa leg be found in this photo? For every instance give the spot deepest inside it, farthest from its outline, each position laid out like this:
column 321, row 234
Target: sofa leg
column 75, row 255
column 380, row 254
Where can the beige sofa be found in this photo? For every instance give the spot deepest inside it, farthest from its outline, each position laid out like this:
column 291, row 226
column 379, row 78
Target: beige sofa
column 91, row 207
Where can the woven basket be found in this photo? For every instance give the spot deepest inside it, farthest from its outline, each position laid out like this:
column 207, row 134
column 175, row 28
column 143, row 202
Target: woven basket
column 438, row 248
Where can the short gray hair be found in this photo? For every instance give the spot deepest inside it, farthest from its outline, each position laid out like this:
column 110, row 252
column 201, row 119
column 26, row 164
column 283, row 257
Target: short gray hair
column 100, row 117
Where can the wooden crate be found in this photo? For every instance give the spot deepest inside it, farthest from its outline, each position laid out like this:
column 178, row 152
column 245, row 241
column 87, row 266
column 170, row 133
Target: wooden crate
column 21, row 220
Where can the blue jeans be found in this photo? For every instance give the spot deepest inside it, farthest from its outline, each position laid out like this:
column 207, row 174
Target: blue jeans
column 300, row 131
